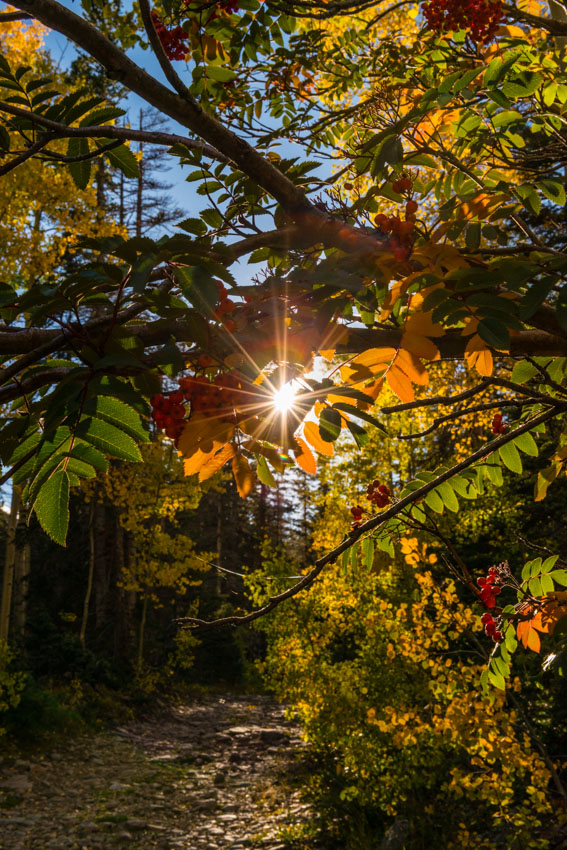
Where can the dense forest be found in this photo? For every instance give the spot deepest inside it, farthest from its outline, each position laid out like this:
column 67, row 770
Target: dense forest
column 283, row 362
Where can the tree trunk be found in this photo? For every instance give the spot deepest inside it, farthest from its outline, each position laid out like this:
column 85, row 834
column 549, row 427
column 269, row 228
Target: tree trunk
column 8, row 580
column 21, row 586
column 140, row 189
column 89, row 589
column 101, row 566
column 141, row 632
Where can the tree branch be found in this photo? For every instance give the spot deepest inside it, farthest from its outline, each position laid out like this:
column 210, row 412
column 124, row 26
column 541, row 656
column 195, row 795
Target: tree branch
column 375, row 522
column 188, row 113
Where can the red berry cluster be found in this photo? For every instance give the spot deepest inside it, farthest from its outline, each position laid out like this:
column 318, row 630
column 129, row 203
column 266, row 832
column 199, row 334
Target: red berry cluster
column 480, row 17
column 378, row 494
column 173, row 41
column 490, row 627
column 402, row 231
column 169, row 413
column 489, row 589
column 217, row 398
column 498, row 426
column 225, row 306
column 356, row 512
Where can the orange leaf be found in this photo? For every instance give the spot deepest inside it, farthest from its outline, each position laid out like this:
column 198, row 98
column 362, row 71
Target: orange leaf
column 420, row 323
column 400, row 384
column 371, row 362
column 193, row 464
column 304, row 457
column 528, row 636
column 216, row 462
column 479, row 356
column 421, row 346
column 412, row 366
column 243, row 475
column 312, row 436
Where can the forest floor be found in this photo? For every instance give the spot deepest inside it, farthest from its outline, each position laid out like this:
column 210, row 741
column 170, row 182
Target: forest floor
column 221, row 772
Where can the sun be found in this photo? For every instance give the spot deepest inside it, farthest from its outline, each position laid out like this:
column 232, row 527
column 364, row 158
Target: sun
column 284, row 397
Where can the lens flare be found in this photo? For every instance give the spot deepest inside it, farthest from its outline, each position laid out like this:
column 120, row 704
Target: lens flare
column 284, row 397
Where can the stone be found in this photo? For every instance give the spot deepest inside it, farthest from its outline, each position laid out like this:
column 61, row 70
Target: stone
column 396, row 837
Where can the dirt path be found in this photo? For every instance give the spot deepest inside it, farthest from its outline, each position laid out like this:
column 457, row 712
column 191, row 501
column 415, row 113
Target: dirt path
column 210, row 775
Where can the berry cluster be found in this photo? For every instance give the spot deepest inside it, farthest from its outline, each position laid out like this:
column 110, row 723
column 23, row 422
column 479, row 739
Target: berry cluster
column 498, row 426
column 225, row 306
column 402, row 231
column 173, row 41
column 218, row 398
column 356, row 512
column 489, row 589
column 490, row 627
column 169, row 413
column 378, row 494
column 480, row 17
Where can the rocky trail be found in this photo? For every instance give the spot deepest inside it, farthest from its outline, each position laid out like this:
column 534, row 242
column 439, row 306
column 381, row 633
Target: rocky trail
column 210, row 775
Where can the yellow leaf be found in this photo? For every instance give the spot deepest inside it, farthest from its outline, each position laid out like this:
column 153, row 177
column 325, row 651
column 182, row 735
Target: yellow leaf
column 243, row 475
column 479, row 356
column 312, row 436
column 305, row 458
column 216, row 462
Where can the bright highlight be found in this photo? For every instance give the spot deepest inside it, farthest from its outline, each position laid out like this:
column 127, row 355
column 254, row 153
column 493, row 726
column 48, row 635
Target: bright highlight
column 284, row 397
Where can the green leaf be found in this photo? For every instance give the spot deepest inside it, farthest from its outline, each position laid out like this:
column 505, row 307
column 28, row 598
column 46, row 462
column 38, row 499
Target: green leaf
column 534, row 586
column 448, row 495
column 219, row 73
column 80, row 171
column 123, row 159
column 329, row 424
column 497, row 679
column 511, row 457
column 52, row 506
column 264, row 472
column 361, row 414
column 549, row 563
column 510, row 639
column 523, row 371
column 495, row 333
column 553, row 191
column 559, row 577
column 198, row 286
column 141, row 271
column 111, row 440
column 359, row 434
column 434, row 501
column 368, row 551
column 528, row 566
column 547, row 585
column 526, row 443
column 117, row 413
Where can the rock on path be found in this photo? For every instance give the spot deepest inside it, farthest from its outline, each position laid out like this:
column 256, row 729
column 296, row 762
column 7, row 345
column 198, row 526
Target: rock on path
column 211, row 775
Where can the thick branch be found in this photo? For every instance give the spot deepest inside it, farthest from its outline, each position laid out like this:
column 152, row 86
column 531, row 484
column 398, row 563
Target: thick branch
column 187, row 112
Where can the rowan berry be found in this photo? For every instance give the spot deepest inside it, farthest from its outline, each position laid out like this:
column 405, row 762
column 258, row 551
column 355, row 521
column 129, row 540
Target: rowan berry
column 405, row 184
column 498, row 427
column 411, row 207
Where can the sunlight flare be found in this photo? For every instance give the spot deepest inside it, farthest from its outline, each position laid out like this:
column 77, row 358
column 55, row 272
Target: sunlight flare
column 284, row 397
